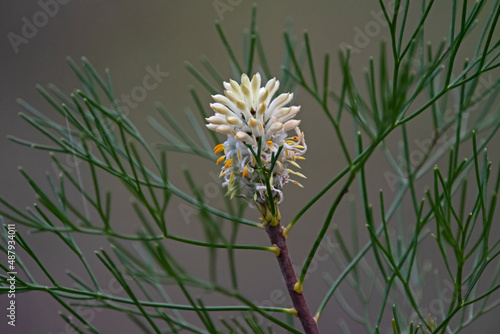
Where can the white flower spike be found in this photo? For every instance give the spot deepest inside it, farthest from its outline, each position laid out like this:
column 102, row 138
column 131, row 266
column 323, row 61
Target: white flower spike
column 256, row 126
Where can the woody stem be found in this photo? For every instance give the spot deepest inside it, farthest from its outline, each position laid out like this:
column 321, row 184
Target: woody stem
column 277, row 238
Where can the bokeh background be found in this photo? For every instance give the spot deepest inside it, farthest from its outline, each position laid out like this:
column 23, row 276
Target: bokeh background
column 129, row 36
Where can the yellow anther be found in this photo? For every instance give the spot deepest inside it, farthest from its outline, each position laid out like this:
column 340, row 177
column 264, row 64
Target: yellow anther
column 300, row 146
column 245, row 171
column 279, row 163
column 300, row 158
column 228, row 163
column 270, row 143
column 221, row 159
column 218, row 149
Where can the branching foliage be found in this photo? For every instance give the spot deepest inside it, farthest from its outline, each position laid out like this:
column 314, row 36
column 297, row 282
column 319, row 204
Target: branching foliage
column 409, row 79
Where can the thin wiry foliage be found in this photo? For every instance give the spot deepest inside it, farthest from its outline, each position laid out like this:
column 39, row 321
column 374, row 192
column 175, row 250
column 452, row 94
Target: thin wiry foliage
column 409, row 79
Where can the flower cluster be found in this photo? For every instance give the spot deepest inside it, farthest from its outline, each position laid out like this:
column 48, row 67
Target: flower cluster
column 257, row 152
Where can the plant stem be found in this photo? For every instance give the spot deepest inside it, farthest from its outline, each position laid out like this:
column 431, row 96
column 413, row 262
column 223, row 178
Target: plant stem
column 277, row 238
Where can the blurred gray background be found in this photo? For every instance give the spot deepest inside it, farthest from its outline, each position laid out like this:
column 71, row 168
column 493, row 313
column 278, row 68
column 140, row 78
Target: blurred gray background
column 128, row 37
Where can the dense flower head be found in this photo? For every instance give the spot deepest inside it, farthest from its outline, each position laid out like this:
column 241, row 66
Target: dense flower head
column 256, row 124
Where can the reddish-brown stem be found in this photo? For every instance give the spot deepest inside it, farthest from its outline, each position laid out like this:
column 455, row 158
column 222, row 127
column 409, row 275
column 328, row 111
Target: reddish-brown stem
column 299, row 302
